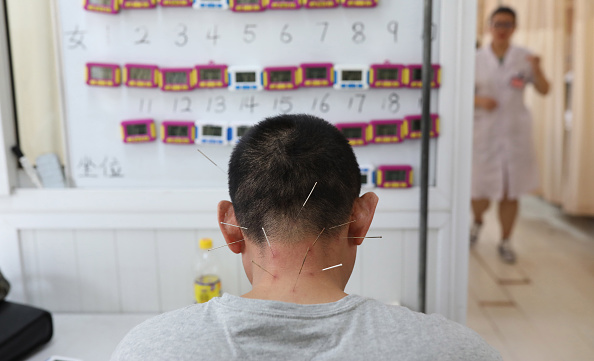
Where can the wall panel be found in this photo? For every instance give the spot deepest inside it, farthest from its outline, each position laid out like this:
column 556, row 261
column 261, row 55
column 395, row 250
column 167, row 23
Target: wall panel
column 137, row 261
column 153, row 270
column 98, row 276
column 58, row 270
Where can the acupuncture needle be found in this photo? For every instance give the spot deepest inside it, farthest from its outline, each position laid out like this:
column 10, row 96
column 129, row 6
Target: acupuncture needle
column 365, row 237
column 233, row 225
column 225, row 245
column 263, row 269
column 338, row 265
column 211, row 161
column 314, row 187
column 304, row 258
column 344, row 224
column 267, row 240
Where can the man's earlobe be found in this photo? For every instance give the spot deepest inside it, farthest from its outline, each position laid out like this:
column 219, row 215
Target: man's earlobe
column 229, row 226
column 363, row 212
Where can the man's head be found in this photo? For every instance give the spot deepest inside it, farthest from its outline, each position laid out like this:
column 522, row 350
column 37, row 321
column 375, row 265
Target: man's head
column 274, row 168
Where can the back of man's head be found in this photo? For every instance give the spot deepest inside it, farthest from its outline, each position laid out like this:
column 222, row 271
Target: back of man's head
column 274, row 168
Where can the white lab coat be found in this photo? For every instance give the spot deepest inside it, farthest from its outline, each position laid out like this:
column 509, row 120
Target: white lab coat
column 503, row 153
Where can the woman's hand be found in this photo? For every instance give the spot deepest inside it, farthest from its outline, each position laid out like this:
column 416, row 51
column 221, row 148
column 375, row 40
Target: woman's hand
column 540, row 82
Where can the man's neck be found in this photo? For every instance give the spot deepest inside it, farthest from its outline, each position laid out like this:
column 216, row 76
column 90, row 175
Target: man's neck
column 290, row 276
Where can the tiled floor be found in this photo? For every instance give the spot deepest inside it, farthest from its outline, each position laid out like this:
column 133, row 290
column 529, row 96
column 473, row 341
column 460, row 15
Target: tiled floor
column 542, row 308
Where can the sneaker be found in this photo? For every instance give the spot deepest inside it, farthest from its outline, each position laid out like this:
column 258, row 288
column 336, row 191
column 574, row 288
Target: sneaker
column 506, row 253
column 474, row 232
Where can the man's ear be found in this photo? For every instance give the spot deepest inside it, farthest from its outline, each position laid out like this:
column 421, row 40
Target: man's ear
column 363, row 211
column 226, row 214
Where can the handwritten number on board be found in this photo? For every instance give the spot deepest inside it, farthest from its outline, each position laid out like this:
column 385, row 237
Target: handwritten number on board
column 392, row 103
column 284, row 104
column 183, row 105
column 433, row 32
column 248, row 102
column 182, row 35
column 144, row 35
column 214, row 35
column 249, row 35
column 393, row 29
column 285, row 36
column 216, row 104
column 324, row 30
column 359, row 35
column 145, row 105
column 361, row 102
column 324, row 105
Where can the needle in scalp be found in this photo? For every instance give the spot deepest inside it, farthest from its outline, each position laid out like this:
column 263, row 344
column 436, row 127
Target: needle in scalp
column 323, row 229
column 327, row 268
column 314, row 187
column 267, row 240
column 304, row 258
column 233, row 225
column 365, row 237
column 205, row 156
column 344, row 224
column 263, row 269
column 212, row 249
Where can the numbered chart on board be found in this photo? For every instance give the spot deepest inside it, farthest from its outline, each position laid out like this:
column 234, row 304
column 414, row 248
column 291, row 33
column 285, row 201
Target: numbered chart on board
column 148, row 83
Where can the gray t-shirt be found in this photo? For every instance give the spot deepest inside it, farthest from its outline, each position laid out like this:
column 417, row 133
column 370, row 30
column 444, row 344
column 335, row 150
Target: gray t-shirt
column 354, row 328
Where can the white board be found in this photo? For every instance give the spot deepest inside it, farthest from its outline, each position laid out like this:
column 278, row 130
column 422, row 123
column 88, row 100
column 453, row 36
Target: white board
column 184, row 37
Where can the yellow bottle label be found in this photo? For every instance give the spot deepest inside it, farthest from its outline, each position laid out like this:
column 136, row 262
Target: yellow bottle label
column 206, row 287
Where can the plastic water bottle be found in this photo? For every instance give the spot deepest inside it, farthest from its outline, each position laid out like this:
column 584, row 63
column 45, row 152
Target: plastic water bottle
column 207, row 283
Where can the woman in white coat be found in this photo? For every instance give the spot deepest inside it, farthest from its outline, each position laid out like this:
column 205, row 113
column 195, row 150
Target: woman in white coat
column 504, row 165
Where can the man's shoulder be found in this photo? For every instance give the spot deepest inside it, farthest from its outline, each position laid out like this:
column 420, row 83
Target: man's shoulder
column 159, row 335
column 433, row 335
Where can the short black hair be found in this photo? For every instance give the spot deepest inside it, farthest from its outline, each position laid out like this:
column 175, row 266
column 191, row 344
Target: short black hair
column 503, row 10
column 273, row 169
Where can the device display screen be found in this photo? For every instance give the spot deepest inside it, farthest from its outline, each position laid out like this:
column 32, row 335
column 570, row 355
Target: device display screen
column 352, row 75
column 212, row 130
column 416, row 125
column 386, row 129
column 241, row 130
column 210, row 74
column 140, row 74
column 363, row 178
column 136, row 129
column 100, row 2
column 316, row 73
column 101, row 73
column 240, row 2
column 177, row 131
column 387, row 74
column 176, row 77
column 396, row 175
column 281, row 76
column 352, row 132
column 418, row 74
column 245, row 77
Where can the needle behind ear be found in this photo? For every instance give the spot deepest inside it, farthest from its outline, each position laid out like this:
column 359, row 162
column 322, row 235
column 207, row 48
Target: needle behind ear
column 212, row 249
